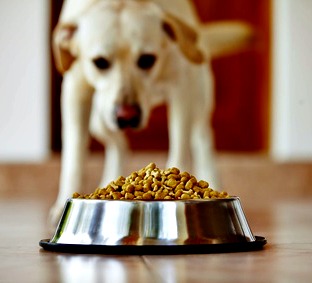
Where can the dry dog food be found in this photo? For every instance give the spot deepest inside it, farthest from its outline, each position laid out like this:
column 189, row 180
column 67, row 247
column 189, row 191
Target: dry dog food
column 152, row 183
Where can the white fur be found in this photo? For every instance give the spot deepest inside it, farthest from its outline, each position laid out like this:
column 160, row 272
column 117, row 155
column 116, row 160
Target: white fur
column 121, row 31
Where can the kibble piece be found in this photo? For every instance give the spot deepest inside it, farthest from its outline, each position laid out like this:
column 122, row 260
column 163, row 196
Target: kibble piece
column 147, row 187
column 120, row 181
column 223, row 194
column 138, row 179
column 189, row 184
column 185, row 196
column 76, row 195
column 129, row 196
column 206, row 194
column 151, row 166
column 160, row 195
column 203, row 184
column 130, row 188
column 172, row 183
column 180, row 187
column 197, row 189
column 178, row 194
column 175, row 171
column 138, row 194
column 147, row 196
column 185, row 175
column 116, row 195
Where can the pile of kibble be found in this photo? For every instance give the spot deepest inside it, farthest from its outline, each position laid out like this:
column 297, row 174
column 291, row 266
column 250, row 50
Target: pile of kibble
column 152, row 183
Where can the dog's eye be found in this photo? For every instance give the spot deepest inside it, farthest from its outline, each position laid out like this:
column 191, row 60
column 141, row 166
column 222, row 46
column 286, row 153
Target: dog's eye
column 146, row 61
column 101, row 63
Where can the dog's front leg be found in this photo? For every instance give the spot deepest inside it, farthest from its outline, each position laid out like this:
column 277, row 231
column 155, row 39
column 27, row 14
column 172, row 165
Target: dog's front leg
column 202, row 137
column 76, row 100
column 179, row 124
column 203, row 152
column 116, row 153
column 116, row 147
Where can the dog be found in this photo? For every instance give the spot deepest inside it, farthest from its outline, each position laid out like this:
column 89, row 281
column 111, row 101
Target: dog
column 120, row 59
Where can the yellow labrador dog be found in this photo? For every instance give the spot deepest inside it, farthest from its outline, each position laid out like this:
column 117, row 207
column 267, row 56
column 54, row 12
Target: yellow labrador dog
column 121, row 58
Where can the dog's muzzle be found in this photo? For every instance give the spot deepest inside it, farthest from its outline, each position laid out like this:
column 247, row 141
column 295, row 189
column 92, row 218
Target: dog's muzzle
column 128, row 115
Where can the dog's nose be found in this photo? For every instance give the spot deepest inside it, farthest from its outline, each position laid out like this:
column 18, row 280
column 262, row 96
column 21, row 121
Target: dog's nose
column 128, row 115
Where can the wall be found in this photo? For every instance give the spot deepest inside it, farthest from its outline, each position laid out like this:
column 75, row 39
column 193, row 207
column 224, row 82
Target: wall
column 291, row 137
column 24, row 80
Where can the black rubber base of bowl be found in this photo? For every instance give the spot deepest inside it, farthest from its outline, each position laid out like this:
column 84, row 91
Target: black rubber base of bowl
column 154, row 249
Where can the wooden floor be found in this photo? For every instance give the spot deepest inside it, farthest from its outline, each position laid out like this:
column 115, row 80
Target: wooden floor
column 277, row 199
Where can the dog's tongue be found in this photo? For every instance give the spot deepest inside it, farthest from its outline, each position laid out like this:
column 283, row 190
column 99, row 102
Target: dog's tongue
column 128, row 116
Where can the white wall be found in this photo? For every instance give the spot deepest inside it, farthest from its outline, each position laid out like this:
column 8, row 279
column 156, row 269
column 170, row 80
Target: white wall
column 292, row 80
column 24, row 84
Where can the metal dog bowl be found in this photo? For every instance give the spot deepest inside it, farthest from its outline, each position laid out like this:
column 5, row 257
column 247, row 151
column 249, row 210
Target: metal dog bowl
column 153, row 227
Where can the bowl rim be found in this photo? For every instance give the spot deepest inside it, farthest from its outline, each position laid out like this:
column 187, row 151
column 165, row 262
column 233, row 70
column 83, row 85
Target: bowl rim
column 231, row 198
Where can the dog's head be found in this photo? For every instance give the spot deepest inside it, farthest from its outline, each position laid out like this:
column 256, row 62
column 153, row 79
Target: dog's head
column 128, row 50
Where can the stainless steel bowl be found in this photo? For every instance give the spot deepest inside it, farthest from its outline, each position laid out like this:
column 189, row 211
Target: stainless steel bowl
column 152, row 223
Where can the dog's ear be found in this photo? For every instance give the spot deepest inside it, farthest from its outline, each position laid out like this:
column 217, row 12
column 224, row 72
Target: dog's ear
column 62, row 47
column 184, row 36
column 227, row 37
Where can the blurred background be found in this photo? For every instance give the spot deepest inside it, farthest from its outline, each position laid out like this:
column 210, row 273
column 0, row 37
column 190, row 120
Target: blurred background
column 263, row 134
column 263, row 95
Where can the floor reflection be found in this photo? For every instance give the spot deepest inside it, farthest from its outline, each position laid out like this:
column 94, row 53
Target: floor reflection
column 86, row 268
